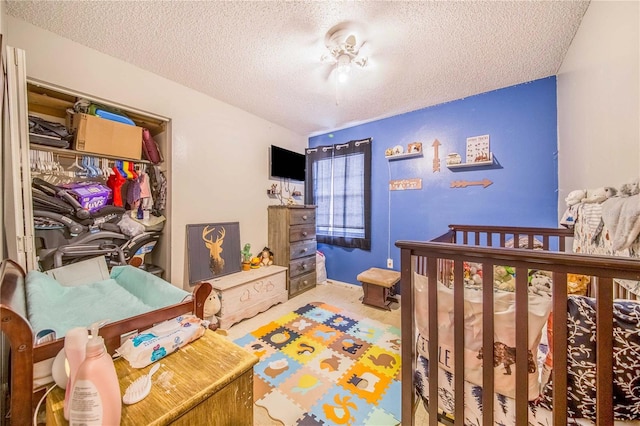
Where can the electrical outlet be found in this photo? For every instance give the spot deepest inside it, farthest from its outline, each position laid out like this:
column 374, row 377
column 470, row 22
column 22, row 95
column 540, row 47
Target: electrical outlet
column 389, row 263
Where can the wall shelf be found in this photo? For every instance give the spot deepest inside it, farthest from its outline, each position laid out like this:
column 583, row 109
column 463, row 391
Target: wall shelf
column 403, row 156
column 488, row 162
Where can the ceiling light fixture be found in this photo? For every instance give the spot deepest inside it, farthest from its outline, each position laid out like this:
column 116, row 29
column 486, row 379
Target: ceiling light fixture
column 343, row 51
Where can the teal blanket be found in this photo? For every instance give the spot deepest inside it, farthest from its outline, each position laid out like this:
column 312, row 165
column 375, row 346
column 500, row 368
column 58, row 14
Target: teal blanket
column 128, row 292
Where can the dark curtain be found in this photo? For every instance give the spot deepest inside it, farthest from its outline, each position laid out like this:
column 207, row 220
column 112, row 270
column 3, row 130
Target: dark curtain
column 338, row 182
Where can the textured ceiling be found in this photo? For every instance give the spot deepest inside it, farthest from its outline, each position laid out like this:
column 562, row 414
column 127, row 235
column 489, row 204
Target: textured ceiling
column 264, row 57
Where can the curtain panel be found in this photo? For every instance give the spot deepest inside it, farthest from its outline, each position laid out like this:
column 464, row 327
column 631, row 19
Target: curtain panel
column 338, row 182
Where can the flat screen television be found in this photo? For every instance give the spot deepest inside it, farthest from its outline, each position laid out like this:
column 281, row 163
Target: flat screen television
column 285, row 164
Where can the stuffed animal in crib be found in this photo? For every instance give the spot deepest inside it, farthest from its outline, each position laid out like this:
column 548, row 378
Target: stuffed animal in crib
column 504, row 278
column 575, row 197
column 472, row 273
column 577, row 284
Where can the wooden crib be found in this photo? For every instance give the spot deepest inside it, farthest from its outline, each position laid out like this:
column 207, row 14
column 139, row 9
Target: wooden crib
column 486, row 245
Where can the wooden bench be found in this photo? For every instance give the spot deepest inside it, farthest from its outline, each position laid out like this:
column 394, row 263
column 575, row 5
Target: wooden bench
column 377, row 284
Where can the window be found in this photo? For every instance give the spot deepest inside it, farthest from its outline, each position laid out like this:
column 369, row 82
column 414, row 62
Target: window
column 338, row 181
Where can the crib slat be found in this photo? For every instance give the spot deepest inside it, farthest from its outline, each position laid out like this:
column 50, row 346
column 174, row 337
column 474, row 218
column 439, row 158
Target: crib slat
column 432, row 266
column 408, row 333
column 559, row 340
column 522, row 339
column 604, row 353
column 487, row 344
column 458, row 342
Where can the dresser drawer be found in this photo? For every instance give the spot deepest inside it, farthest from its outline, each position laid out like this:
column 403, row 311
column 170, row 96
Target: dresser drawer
column 302, row 249
column 302, row 266
column 301, row 283
column 301, row 216
column 302, row 232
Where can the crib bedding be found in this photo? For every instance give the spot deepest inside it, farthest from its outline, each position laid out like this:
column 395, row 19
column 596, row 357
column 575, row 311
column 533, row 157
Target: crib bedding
column 128, row 292
column 581, row 363
column 504, row 407
column 504, row 332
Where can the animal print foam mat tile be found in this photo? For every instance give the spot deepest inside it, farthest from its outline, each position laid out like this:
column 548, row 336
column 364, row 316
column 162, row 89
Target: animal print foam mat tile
column 320, row 365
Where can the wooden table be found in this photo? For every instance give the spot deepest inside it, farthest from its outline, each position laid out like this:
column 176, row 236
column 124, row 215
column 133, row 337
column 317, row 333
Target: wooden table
column 207, row 382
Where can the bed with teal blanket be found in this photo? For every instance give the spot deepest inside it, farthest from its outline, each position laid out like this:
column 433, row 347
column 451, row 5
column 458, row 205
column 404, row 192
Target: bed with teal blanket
column 130, row 299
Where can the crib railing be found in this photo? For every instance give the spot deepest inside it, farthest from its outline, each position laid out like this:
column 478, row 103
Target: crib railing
column 478, row 244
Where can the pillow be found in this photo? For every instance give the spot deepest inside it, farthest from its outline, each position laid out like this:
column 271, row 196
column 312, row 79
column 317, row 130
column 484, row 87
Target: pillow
column 504, row 330
column 581, row 359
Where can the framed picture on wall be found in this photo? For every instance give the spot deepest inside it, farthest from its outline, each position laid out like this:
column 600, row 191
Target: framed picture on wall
column 213, row 250
column 478, row 149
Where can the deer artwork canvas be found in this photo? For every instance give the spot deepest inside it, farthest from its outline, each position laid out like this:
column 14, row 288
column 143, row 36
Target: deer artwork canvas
column 213, row 250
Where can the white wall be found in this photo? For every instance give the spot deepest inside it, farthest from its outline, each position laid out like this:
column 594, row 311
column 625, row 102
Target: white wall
column 599, row 100
column 219, row 158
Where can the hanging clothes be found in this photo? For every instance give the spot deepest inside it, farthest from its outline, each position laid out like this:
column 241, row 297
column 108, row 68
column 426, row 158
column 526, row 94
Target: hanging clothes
column 158, row 184
column 115, row 182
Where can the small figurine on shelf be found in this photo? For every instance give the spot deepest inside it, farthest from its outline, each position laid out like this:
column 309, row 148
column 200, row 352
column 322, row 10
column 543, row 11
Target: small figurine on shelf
column 266, row 257
column 255, row 262
column 414, row 147
column 246, row 257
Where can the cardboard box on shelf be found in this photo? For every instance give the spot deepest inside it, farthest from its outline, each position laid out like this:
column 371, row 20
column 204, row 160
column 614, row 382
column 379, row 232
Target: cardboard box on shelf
column 99, row 136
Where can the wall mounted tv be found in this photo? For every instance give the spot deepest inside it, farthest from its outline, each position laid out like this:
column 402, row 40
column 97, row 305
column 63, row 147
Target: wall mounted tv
column 285, row 164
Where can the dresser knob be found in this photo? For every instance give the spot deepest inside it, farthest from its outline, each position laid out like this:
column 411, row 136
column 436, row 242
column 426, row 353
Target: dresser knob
column 304, row 234
column 304, row 217
column 305, row 282
column 303, row 266
column 304, row 250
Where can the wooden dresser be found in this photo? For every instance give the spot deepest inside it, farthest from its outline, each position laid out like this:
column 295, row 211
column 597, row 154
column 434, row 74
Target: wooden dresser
column 247, row 293
column 207, row 382
column 292, row 238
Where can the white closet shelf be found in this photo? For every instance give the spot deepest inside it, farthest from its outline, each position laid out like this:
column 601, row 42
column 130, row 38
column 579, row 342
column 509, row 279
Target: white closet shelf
column 70, row 153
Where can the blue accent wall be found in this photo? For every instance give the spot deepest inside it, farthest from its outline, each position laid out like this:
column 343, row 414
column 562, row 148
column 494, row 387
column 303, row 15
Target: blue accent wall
column 521, row 122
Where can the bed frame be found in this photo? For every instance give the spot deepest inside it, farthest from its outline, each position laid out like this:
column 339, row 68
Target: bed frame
column 486, row 245
column 22, row 397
